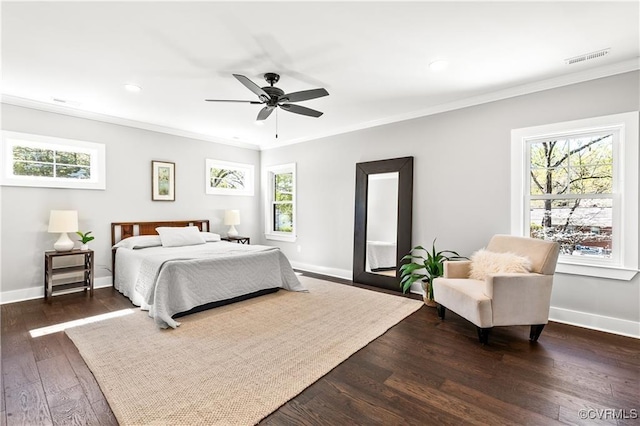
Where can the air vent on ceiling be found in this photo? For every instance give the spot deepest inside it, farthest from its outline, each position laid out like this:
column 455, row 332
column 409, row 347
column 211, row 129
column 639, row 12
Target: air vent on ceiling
column 587, row 56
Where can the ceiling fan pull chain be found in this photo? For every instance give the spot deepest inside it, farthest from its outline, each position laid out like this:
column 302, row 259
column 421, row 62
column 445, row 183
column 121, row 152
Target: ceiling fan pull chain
column 276, row 124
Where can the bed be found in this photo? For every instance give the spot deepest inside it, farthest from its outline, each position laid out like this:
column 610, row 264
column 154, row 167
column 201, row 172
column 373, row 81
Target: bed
column 170, row 281
column 381, row 255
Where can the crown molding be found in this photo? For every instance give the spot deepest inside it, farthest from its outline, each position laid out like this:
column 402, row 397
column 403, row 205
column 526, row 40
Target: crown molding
column 538, row 86
column 59, row 109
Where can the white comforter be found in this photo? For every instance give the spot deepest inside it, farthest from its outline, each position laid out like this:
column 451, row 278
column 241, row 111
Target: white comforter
column 167, row 281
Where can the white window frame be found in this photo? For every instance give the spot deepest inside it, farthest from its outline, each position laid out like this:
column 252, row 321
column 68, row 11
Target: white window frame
column 95, row 150
column 624, row 264
column 270, row 233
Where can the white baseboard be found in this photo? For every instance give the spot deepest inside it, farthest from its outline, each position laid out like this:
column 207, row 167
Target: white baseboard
column 595, row 322
column 345, row 274
column 38, row 292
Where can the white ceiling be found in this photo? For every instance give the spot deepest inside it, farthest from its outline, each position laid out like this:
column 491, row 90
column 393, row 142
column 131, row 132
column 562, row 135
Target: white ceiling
column 372, row 57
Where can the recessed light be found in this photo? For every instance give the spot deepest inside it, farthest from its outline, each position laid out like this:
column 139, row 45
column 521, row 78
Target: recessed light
column 438, row 65
column 132, row 87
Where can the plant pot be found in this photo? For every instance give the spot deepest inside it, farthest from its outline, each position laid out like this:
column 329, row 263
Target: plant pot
column 84, row 247
column 428, row 302
column 425, row 296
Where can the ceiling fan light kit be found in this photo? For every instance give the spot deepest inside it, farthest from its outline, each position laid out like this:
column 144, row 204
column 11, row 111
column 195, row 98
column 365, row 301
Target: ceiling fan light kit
column 273, row 97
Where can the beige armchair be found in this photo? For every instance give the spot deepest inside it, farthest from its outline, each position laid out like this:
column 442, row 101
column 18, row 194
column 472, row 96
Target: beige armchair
column 501, row 298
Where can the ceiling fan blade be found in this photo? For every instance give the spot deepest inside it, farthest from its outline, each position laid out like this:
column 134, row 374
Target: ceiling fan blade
column 303, row 95
column 264, row 97
column 297, row 109
column 230, row 100
column 264, row 113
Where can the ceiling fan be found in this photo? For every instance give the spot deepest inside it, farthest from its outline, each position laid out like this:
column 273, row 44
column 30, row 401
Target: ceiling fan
column 273, row 97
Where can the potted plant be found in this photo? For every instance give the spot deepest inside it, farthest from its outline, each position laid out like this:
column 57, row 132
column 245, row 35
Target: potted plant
column 425, row 269
column 84, row 239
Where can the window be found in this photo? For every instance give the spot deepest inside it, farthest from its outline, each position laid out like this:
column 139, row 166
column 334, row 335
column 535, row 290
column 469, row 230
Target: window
column 33, row 160
column 576, row 183
column 281, row 208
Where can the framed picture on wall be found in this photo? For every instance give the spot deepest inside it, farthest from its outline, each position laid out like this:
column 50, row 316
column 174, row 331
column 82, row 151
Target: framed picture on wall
column 226, row 178
column 163, row 181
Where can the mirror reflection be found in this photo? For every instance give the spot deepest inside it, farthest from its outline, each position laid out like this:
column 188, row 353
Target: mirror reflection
column 382, row 220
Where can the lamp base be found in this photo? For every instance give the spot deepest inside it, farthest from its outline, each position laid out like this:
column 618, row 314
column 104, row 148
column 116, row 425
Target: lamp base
column 232, row 232
column 64, row 243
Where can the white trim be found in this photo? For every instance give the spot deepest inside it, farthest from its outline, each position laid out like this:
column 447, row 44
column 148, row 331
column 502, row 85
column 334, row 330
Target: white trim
column 30, row 293
column 538, row 86
column 345, row 274
column 628, row 181
column 268, row 175
column 96, row 151
column 280, row 237
column 73, row 112
column 596, row 271
column 595, row 322
column 249, row 177
column 564, row 80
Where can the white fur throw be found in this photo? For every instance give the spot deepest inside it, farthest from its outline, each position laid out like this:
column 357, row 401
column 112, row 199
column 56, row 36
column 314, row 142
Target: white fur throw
column 484, row 262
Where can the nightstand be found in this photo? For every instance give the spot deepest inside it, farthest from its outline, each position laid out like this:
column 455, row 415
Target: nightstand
column 238, row 239
column 86, row 269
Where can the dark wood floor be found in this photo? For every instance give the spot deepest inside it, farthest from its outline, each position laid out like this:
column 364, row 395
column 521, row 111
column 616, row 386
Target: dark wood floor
column 422, row 371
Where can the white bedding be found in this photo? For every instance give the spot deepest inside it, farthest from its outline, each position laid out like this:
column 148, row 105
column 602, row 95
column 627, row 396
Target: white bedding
column 169, row 280
column 381, row 254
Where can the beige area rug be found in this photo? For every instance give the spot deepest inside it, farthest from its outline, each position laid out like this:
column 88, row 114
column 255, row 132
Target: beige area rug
column 236, row 364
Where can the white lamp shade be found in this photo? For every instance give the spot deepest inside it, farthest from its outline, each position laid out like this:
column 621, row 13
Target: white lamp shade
column 63, row 221
column 232, row 217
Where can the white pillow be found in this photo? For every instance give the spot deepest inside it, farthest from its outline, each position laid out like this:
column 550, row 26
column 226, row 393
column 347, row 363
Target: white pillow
column 210, row 237
column 178, row 237
column 139, row 241
column 484, row 262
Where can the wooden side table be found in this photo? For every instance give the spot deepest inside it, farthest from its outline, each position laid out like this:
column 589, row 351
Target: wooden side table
column 238, row 239
column 49, row 272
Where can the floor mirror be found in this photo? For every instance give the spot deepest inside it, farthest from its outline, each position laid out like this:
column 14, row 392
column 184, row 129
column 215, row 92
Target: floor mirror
column 383, row 216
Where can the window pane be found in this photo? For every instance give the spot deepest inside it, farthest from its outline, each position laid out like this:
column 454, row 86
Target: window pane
column 582, row 226
column 549, row 181
column 74, row 158
column 283, row 183
column 73, row 172
column 576, row 165
column 32, row 154
column 226, row 178
column 21, row 168
column 283, row 217
column 549, row 153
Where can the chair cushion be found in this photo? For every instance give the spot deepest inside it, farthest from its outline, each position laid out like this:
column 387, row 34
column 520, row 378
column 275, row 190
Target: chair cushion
column 543, row 254
column 466, row 298
column 485, row 262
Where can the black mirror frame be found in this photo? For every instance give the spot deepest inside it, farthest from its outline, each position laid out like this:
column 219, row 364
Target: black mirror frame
column 404, row 167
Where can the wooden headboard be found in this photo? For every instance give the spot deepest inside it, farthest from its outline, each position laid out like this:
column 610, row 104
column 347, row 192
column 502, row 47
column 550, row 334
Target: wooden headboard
column 130, row 229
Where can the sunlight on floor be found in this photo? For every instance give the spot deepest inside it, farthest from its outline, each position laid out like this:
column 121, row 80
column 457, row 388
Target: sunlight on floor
column 37, row 332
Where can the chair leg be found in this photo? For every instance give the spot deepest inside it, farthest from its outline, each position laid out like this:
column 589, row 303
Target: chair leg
column 483, row 335
column 440, row 310
column 535, row 332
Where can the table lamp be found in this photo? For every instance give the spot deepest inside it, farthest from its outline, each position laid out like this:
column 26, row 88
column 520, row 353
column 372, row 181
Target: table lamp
column 232, row 217
column 63, row 221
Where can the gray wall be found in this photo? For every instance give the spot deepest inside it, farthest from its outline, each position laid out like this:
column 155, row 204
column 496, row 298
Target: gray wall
column 25, row 211
column 461, row 183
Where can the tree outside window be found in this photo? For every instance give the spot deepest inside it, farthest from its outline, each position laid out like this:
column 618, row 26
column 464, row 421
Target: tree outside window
column 280, row 207
column 571, row 198
column 283, row 202
column 30, row 161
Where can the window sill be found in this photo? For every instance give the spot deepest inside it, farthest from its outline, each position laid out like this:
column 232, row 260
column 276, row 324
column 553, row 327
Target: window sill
column 280, row 237
column 609, row 272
